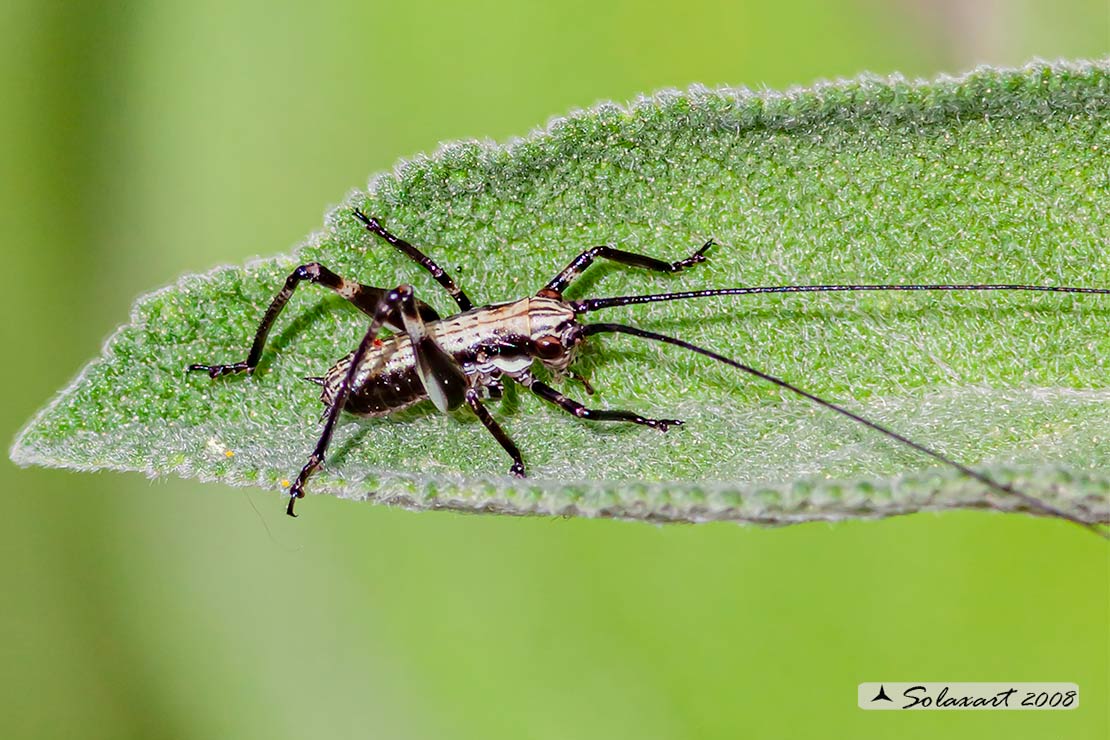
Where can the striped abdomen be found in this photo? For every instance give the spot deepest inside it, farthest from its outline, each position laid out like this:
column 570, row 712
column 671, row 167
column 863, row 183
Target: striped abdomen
column 484, row 342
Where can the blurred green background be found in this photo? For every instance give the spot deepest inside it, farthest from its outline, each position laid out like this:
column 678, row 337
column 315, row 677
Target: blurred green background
column 141, row 141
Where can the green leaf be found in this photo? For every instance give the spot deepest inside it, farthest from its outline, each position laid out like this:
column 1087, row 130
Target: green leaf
column 999, row 176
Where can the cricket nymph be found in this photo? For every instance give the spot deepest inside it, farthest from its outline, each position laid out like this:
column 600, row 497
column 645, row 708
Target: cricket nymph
column 485, row 343
column 462, row 359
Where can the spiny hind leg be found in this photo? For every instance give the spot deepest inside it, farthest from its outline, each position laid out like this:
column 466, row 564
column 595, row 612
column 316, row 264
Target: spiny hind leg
column 389, row 305
column 443, row 379
column 365, row 297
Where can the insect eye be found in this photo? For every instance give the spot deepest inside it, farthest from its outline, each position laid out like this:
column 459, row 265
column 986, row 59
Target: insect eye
column 549, row 348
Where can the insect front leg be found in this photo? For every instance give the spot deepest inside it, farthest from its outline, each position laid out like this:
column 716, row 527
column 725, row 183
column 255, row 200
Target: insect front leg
column 571, row 406
column 365, row 297
column 572, row 271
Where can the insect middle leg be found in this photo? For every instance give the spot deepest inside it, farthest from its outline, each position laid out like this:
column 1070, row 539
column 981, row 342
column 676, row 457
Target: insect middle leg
column 498, row 433
column 365, row 297
column 571, row 406
column 577, row 266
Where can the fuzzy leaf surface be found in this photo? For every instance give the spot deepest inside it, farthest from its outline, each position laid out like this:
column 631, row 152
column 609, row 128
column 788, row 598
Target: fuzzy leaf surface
column 998, row 176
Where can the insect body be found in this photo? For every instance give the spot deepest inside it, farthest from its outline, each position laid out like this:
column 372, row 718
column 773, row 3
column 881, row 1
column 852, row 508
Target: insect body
column 464, row 358
column 477, row 347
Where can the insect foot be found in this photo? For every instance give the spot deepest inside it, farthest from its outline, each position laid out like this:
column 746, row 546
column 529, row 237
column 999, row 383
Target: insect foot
column 695, row 259
column 296, row 491
column 663, row 424
column 216, row 371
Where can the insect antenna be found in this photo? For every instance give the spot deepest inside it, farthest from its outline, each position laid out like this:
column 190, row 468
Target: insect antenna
column 316, row 380
column 607, row 328
column 594, row 304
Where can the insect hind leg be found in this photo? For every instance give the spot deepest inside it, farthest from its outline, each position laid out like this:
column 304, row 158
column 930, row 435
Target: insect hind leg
column 444, row 381
column 389, row 305
column 364, row 297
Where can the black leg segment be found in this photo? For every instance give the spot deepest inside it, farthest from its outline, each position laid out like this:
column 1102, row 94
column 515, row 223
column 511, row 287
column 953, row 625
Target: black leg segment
column 572, row 271
column 441, row 375
column 498, row 433
column 389, row 305
column 571, row 406
column 365, row 297
column 374, row 226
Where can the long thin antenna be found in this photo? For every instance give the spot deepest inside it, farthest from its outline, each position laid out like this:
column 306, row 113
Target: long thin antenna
column 588, row 329
column 593, row 304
